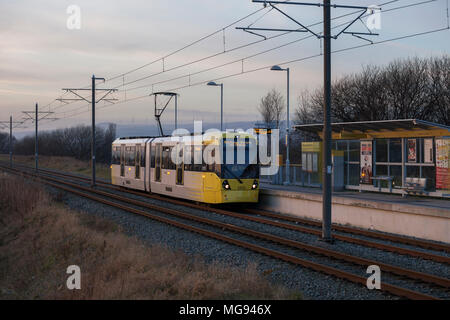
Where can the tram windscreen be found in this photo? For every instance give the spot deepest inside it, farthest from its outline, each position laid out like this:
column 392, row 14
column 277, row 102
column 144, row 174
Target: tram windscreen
column 240, row 171
column 237, row 169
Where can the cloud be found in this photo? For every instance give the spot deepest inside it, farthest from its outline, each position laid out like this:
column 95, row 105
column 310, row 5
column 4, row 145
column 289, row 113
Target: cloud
column 39, row 55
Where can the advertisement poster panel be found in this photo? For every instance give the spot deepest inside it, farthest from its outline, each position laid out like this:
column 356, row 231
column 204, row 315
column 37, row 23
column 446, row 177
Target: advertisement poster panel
column 412, row 150
column 442, row 164
column 366, row 162
column 428, row 150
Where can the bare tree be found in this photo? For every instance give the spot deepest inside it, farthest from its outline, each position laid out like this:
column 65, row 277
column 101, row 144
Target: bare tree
column 72, row 142
column 272, row 108
column 440, row 88
column 411, row 88
column 4, row 142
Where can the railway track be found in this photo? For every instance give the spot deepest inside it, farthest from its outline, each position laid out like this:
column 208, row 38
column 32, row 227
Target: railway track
column 291, row 223
column 123, row 202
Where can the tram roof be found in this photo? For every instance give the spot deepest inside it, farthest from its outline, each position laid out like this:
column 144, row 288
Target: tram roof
column 379, row 129
column 143, row 139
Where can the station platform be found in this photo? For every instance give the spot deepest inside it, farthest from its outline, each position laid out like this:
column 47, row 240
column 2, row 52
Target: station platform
column 420, row 217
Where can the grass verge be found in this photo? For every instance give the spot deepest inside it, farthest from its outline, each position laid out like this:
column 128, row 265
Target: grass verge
column 40, row 238
column 66, row 164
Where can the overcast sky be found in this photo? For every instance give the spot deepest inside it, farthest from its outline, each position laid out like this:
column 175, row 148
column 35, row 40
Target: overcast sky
column 39, row 55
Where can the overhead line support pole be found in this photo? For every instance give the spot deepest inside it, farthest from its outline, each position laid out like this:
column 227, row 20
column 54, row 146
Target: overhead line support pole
column 5, row 123
column 10, row 142
column 36, row 141
column 221, row 107
column 326, row 146
column 93, row 132
column 92, row 102
column 36, row 134
column 176, row 112
column 288, row 169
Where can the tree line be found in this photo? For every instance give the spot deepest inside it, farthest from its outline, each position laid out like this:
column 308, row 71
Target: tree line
column 4, row 142
column 413, row 88
column 69, row 142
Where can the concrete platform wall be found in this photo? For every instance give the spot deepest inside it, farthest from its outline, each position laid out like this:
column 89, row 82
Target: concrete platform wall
column 410, row 220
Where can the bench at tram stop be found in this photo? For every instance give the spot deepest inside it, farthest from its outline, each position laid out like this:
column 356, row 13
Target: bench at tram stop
column 378, row 180
column 414, row 186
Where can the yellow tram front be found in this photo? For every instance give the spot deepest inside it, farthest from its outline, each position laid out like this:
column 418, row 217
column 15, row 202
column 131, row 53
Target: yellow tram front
column 236, row 177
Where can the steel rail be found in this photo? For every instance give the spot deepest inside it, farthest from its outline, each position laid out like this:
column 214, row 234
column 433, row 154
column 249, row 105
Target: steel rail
column 390, row 237
column 270, row 252
column 443, row 282
column 358, row 241
column 372, row 234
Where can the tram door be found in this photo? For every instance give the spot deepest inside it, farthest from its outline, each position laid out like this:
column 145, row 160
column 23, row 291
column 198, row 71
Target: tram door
column 138, row 162
column 122, row 160
column 180, row 166
column 158, row 162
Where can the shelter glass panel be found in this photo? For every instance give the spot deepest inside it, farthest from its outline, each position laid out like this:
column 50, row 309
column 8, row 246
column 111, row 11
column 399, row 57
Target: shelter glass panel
column 395, row 150
column 354, row 174
column 354, row 146
column 381, row 150
column 429, row 173
column 396, row 173
column 413, row 171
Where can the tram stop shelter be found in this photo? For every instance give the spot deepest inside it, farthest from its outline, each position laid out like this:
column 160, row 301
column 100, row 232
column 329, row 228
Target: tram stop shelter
column 395, row 156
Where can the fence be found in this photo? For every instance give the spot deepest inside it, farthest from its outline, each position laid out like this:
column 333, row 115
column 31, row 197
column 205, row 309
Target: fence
column 296, row 174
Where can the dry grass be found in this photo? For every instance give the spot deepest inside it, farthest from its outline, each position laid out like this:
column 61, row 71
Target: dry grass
column 67, row 164
column 40, row 238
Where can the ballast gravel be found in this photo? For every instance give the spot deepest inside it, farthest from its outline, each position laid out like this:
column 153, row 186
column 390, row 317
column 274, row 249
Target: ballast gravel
column 310, row 284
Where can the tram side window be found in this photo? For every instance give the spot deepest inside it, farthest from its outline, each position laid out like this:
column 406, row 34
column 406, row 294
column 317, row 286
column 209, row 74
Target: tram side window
column 197, row 158
column 197, row 162
column 214, row 167
column 172, row 165
column 133, row 156
column 165, row 158
column 115, row 159
column 152, row 155
column 188, row 159
column 127, row 152
column 129, row 156
column 167, row 162
column 143, row 155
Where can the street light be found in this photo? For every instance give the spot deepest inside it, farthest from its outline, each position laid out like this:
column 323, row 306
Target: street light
column 278, row 68
column 212, row 83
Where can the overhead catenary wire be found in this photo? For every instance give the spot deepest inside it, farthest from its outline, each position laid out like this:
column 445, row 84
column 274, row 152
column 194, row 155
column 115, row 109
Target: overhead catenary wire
column 236, row 48
column 240, row 47
column 240, row 60
column 69, row 112
column 186, row 46
column 282, row 63
column 257, row 69
column 214, row 55
column 169, row 54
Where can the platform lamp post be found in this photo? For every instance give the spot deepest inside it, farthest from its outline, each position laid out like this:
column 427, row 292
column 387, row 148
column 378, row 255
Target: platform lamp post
column 288, row 179
column 212, row 83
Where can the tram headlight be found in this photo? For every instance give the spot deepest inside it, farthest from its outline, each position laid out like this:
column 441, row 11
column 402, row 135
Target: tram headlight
column 254, row 185
column 226, row 185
